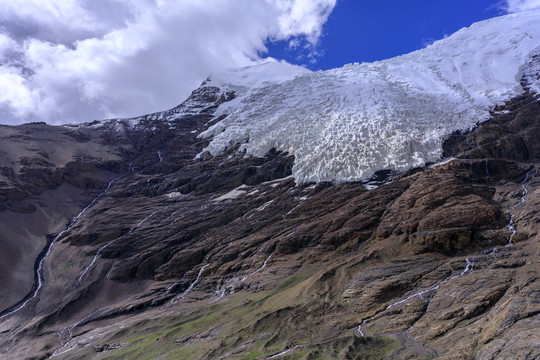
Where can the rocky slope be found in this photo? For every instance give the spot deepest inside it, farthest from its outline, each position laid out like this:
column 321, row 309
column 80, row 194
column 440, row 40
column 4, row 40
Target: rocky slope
column 119, row 242
column 227, row 257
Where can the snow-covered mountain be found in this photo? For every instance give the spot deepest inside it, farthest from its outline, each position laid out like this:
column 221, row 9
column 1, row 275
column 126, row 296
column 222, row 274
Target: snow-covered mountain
column 345, row 124
column 125, row 239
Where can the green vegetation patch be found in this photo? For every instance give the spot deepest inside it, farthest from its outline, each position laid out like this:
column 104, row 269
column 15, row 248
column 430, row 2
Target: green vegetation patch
column 372, row 348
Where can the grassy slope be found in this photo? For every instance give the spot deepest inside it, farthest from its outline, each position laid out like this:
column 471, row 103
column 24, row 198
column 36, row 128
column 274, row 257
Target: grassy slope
column 250, row 325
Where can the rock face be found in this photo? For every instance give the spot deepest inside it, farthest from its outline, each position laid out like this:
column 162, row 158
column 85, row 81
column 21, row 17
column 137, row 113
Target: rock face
column 227, row 257
column 46, row 174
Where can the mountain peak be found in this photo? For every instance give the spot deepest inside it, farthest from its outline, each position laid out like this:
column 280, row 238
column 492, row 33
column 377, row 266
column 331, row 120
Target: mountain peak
column 346, row 124
column 267, row 72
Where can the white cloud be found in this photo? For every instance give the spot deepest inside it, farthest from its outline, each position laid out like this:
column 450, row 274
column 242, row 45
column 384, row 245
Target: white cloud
column 514, row 6
column 90, row 59
column 303, row 17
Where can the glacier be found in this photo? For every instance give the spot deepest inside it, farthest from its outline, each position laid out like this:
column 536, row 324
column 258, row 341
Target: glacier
column 345, row 124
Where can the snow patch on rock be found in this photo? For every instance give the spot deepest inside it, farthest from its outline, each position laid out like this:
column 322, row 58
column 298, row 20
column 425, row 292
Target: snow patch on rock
column 175, row 196
column 233, row 194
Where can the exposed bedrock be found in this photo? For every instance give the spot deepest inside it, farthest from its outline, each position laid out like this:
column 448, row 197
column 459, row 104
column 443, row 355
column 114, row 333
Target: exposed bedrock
column 227, row 257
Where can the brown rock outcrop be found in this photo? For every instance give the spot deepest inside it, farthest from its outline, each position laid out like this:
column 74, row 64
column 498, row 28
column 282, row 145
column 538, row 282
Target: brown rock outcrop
column 227, row 257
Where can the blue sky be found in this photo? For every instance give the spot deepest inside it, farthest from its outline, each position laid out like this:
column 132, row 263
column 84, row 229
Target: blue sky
column 80, row 60
column 358, row 31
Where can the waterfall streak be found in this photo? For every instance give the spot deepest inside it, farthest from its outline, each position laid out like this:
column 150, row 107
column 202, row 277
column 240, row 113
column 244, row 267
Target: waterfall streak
column 524, row 192
column 232, row 284
column 69, row 330
column 98, row 253
column 39, row 270
column 294, row 208
column 190, row 287
column 259, row 269
column 284, row 352
column 359, row 328
column 469, row 266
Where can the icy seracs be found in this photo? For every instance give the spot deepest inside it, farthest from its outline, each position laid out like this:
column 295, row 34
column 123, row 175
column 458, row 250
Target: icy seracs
column 345, row 124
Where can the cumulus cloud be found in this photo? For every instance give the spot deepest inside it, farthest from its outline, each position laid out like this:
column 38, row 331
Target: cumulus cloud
column 514, row 6
column 79, row 60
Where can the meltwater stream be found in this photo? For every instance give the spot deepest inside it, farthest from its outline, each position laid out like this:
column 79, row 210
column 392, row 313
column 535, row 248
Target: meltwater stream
column 98, row 253
column 284, row 352
column 65, row 335
column 39, row 268
column 69, row 334
column 189, row 289
column 524, row 192
column 469, row 264
column 231, row 284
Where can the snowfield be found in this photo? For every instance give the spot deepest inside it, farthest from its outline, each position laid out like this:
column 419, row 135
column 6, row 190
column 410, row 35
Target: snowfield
column 345, row 124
